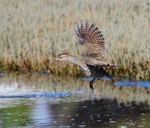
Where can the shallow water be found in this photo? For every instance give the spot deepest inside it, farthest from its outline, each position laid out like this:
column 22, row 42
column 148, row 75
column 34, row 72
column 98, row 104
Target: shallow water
column 72, row 113
column 35, row 100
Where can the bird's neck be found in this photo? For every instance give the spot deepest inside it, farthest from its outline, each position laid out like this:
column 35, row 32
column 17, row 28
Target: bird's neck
column 80, row 62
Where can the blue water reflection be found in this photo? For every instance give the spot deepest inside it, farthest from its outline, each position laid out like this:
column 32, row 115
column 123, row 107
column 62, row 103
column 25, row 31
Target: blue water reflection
column 41, row 114
column 145, row 84
column 43, row 95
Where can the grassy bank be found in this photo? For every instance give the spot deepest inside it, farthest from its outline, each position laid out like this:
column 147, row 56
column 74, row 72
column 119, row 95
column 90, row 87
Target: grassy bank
column 33, row 32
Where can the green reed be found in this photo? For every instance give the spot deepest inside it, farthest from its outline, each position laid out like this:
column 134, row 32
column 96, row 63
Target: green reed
column 32, row 33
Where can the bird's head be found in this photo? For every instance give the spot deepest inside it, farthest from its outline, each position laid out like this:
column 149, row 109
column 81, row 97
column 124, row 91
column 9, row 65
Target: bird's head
column 63, row 57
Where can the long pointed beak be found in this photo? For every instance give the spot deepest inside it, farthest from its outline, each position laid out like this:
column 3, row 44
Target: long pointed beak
column 54, row 60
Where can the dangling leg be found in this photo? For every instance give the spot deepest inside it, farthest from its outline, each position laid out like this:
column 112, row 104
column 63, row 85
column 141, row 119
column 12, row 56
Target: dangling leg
column 91, row 83
column 93, row 80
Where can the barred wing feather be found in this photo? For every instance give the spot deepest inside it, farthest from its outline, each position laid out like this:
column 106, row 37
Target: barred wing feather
column 93, row 42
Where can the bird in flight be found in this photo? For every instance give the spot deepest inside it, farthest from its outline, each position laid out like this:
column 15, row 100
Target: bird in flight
column 92, row 59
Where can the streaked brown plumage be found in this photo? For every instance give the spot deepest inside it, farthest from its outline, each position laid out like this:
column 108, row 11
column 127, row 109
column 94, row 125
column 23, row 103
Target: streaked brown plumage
column 92, row 59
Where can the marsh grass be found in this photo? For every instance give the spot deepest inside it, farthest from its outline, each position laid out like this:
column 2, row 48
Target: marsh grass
column 33, row 32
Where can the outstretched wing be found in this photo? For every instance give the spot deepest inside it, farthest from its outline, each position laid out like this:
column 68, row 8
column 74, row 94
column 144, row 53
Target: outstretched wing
column 93, row 42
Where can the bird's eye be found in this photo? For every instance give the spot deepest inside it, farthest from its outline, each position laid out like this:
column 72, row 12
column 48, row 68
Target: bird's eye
column 60, row 57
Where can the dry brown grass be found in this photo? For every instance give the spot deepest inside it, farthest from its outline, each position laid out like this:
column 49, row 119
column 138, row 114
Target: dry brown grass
column 33, row 32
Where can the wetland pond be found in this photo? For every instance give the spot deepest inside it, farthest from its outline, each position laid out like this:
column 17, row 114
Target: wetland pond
column 43, row 100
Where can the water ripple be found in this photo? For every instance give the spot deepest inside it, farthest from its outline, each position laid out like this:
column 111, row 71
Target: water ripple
column 145, row 84
column 43, row 95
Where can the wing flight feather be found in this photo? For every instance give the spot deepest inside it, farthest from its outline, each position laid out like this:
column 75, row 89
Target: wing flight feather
column 93, row 43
